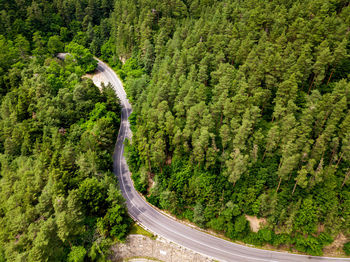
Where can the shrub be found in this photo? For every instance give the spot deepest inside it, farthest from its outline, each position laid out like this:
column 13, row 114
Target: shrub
column 346, row 248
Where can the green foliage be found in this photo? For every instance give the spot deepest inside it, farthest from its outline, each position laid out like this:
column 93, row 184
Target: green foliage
column 2, row 255
column 308, row 245
column 241, row 108
column 265, row 235
column 138, row 230
column 57, row 134
column 82, row 56
column 306, row 219
column 100, row 250
column 55, row 45
column 346, row 248
column 198, row 216
column 130, row 73
column 241, row 224
column 108, row 54
column 77, row 254
column 116, row 222
column 168, row 200
column 92, row 195
column 140, row 181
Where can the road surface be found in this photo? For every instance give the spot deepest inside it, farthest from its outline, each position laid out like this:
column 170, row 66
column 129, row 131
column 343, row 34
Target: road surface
column 168, row 228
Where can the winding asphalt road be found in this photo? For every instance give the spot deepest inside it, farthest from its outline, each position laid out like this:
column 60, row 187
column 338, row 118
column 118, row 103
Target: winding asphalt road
column 168, row 228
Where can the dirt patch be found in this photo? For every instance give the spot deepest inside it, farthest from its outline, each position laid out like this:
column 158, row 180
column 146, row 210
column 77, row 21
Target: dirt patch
column 168, row 161
column 90, row 76
column 255, row 223
column 336, row 248
column 320, row 228
column 98, row 78
column 122, row 59
column 151, row 184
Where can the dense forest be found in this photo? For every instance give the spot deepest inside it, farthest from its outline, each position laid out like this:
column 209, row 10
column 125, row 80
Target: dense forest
column 240, row 108
column 59, row 200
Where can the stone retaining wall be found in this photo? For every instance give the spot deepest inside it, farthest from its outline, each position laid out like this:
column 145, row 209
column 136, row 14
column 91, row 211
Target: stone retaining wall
column 142, row 246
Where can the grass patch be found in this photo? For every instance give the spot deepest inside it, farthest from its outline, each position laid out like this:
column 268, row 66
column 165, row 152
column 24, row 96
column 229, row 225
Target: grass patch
column 138, row 230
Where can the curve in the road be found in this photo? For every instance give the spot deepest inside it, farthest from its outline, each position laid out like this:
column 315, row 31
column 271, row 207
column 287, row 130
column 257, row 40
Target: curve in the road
column 168, row 228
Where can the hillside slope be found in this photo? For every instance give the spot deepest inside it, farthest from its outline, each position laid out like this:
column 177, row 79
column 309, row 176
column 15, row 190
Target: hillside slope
column 242, row 108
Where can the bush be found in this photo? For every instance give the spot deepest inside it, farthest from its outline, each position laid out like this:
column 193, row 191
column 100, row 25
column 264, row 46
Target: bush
column 266, row 235
column 309, row 245
column 115, row 223
column 93, row 196
column 281, row 239
column 253, row 239
column 77, row 254
column 325, row 239
column 82, row 56
column 139, row 182
column 346, row 248
column 241, row 224
column 153, row 199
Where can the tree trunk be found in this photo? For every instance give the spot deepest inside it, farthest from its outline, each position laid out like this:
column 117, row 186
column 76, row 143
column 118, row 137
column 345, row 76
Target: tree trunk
column 295, row 186
column 262, row 108
column 332, row 157
column 280, row 164
column 279, row 184
column 339, row 160
column 149, row 162
column 345, row 178
column 329, row 79
column 312, row 83
column 264, row 155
